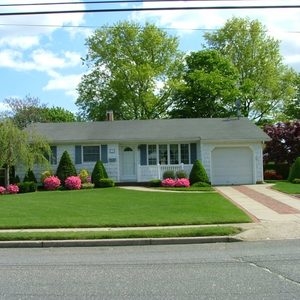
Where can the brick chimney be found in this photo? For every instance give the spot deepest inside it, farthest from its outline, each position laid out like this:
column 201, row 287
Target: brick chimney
column 109, row 115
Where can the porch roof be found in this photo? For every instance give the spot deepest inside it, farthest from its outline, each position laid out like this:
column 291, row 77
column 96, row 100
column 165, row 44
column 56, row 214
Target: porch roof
column 208, row 129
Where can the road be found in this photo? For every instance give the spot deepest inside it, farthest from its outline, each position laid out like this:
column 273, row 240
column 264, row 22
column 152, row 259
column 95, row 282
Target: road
column 245, row 270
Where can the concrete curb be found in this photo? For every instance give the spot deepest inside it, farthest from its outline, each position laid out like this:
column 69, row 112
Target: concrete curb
column 117, row 242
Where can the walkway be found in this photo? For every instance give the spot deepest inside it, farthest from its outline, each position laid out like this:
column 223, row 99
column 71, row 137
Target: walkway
column 277, row 215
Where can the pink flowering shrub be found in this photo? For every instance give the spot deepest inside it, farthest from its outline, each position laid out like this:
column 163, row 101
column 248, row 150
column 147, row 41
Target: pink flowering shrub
column 51, row 183
column 168, row 182
column 182, row 182
column 73, row 183
column 2, row 190
column 12, row 189
column 179, row 182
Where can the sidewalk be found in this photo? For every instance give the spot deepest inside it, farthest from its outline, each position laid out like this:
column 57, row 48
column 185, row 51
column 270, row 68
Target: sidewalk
column 276, row 215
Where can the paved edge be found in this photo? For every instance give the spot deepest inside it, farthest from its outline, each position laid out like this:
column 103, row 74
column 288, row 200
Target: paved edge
column 118, row 242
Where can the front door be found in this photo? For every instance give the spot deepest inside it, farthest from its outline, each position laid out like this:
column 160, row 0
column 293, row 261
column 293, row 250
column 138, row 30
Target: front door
column 128, row 164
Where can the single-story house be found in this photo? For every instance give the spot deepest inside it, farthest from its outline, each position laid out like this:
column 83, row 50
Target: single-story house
column 140, row 150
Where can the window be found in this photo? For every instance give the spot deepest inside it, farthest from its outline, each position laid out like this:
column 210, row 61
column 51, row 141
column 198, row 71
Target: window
column 53, row 155
column 163, row 154
column 174, row 153
column 168, row 154
column 91, row 153
column 184, row 153
column 152, row 155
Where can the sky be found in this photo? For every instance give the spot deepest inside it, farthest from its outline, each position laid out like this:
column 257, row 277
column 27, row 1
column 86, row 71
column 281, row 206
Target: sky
column 40, row 55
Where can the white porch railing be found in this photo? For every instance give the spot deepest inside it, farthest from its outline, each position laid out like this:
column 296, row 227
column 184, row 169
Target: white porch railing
column 146, row 173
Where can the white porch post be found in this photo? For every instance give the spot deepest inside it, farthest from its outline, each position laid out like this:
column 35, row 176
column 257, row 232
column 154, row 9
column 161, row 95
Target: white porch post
column 158, row 171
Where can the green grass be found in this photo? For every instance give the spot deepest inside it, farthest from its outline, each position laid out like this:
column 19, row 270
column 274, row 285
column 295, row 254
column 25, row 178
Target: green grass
column 115, row 207
column 189, row 189
column 287, row 187
column 150, row 233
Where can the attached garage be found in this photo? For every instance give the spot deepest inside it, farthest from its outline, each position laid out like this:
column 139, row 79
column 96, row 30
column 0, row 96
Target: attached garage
column 232, row 165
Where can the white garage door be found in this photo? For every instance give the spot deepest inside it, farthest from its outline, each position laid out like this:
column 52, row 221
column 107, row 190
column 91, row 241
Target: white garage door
column 232, row 165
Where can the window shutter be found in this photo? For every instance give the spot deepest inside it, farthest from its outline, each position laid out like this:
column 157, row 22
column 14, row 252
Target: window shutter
column 143, row 151
column 78, row 159
column 193, row 152
column 104, row 153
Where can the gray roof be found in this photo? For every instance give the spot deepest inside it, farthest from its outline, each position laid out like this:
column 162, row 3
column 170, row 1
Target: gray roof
column 160, row 130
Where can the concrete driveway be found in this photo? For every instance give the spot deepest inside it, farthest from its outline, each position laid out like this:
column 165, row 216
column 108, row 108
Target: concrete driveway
column 276, row 215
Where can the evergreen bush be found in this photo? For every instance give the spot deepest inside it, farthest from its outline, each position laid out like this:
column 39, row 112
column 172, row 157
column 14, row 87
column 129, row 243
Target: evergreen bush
column 181, row 174
column 29, row 177
column 98, row 173
column 169, row 174
column 65, row 168
column 198, row 173
column 27, row 187
column 106, row 182
column 295, row 170
column 155, row 183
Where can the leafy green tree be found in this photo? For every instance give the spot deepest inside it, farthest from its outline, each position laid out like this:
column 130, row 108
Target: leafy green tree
column 208, row 88
column 265, row 83
column 99, row 173
column 30, row 110
column 57, row 114
column 291, row 110
column 20, row 147
column 65, row 167
column 198, row 173
column 132, row 70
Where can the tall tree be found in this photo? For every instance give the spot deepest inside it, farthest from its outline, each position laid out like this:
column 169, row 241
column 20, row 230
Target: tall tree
column 291, row 111
column 208, row 88
column 19, row 147
column 31, row 110
column 265, row 83
column 131, row 71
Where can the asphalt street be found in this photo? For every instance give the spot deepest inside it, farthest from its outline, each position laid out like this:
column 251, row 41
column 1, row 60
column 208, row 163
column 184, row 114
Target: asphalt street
column 247, row 270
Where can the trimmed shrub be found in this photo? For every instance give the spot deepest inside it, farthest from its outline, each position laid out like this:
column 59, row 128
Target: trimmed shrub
column 12, row 189
column 51, row 183
column 84, row 176
column 29, row 177
column 198, row 173
column 106, row 182
column 98, row 173
column 27, row 187
column 201, row 184
column 65, row 168
column 295, row 170
column 181, row 174
column 2, row 190
column 168, row 182
column 16, row 179
column 169, row 174
column 155, row 183
column 73, row 183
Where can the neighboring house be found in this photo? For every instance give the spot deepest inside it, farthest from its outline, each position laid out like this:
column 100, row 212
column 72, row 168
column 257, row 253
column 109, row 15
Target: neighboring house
column 141, row 150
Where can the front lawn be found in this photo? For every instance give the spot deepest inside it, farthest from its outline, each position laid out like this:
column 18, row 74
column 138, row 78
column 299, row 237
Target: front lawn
column 287, row 187
column 113, row 207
